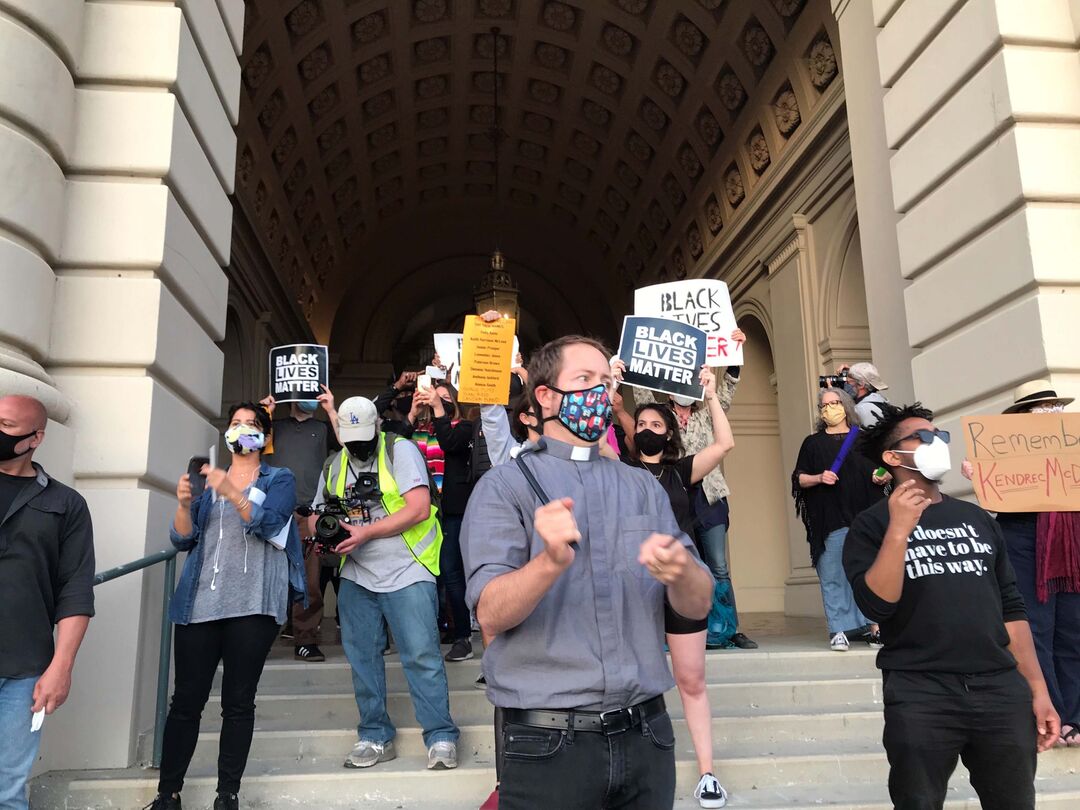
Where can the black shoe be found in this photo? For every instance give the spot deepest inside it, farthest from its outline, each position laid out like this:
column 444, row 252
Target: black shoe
column 287, row 632
column 460, row 651
column 227, row 801
column 163, row 802
column 743, row 642
column 481, row 683
column 308, row 652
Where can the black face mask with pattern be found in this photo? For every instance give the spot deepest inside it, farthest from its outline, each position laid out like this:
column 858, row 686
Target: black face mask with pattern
column 8, row 444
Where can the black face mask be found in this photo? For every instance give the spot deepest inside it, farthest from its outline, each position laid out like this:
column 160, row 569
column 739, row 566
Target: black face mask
column 8, row 442
column 448, row 407
column 649, row 443
column 363, row 450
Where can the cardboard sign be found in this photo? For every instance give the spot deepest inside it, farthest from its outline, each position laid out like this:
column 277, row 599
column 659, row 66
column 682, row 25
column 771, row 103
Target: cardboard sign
column 298, row 372
column 1025, row 462
column 487, row 354
column 663, row 355
column 448, row 347
column 702, row 303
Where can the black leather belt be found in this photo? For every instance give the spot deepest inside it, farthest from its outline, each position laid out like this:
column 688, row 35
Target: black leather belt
column 607, row 723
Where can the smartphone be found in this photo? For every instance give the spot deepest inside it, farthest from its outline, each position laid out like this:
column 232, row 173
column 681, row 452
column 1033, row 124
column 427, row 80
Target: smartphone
column 423, row 382
column 194, row 471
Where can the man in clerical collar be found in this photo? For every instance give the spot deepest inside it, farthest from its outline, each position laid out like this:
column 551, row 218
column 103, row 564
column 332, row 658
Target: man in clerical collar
column 573, row 589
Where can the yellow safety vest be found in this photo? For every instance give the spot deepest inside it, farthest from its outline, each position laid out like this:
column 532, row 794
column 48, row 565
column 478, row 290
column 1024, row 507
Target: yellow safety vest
column 424, row 540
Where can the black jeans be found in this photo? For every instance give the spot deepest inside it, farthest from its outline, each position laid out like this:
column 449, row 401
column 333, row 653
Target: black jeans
column 934, row 718
column 452, row 573
column 544, row 768
column 242, row 645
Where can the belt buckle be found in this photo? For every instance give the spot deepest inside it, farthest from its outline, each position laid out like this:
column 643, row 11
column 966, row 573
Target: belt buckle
column 609, row 724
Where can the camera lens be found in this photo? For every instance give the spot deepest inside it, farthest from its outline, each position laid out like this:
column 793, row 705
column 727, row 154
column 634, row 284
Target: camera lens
column 327, row 527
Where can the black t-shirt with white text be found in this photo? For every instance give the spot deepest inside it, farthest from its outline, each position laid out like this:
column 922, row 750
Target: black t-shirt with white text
column 959, row 590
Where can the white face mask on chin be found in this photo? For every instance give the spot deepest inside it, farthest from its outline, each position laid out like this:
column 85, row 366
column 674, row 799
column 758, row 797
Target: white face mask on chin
column 932, row 460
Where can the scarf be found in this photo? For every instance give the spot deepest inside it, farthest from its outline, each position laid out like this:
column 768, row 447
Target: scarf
column 1057, row 554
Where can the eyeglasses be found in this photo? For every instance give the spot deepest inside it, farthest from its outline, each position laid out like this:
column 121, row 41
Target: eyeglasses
column 924, row 436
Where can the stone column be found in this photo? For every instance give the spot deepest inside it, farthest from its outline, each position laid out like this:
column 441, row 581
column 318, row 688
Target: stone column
column 870, row 156
column 981, row 104
column 122, row 134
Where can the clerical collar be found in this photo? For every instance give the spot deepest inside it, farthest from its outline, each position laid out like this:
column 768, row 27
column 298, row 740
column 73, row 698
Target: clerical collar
column 570, row 452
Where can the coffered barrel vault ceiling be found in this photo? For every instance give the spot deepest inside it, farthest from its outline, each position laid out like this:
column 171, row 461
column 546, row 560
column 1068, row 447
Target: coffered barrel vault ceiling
column 635, row 130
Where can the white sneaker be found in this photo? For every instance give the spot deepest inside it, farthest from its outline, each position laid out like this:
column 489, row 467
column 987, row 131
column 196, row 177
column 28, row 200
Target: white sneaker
column 367, row 753
column 839, row 643
column 442, row 756
column 710, row 793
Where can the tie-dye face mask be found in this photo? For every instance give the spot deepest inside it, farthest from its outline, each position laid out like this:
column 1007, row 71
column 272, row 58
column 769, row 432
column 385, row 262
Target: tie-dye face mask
column 586, row 412
column 244, row 439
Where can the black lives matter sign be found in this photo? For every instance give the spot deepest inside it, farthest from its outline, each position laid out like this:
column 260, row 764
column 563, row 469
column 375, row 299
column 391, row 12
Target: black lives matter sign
column 663, row 355
column 298, row 372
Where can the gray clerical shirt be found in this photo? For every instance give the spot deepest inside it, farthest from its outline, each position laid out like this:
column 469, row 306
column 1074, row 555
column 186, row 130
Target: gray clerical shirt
column 596, row 640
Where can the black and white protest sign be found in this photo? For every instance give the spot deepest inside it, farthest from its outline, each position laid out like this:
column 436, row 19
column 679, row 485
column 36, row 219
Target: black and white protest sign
column 298, row 372
column 704, row 303
column 663, row 355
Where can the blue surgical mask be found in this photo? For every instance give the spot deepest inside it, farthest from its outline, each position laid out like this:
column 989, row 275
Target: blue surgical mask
column 308, row 405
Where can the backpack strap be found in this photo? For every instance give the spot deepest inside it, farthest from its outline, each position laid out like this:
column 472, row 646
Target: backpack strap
column 533, row 483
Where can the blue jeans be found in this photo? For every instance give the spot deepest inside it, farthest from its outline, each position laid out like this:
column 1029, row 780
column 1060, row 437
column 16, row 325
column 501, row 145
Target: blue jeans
column 452, row 573
column 20, row 746
column 841, row 612
column 714, row 549
column 412, row 614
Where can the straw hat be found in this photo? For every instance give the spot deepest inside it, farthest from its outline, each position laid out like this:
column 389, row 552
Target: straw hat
column 1035, row 392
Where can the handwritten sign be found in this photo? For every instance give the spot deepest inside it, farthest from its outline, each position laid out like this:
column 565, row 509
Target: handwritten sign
column 1027, row 462
column 663, row 355
column 487, row 353
column 703, row 303
column 448, row 347
column 298, row 372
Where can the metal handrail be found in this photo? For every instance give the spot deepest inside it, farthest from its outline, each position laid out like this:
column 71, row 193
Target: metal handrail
column 168, row 557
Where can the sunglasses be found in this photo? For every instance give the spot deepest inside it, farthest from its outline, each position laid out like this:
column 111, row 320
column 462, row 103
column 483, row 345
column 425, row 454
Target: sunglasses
column 924, row 436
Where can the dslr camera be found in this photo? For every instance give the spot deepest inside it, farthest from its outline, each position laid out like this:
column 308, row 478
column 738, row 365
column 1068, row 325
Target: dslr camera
column 335, row 511
column 833, row 380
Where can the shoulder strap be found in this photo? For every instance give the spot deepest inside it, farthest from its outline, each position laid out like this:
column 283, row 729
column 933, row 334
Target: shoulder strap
column 533, row 483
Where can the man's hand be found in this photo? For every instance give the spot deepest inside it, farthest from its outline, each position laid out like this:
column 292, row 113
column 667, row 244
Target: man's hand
column 326, row 399
column 358, row 535
column 406, row 380
column 52, row 688
column 1046, row 721
column 665, row 558
column 906, row 505
column 739, row 337
column 491, row 316
column 967, row 469
column 829, row 478
column 269, row 403
column 555, row 524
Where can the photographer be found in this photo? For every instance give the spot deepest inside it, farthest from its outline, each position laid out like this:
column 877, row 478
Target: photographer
column 863, row 384
column 243, row 560
column 379, row 484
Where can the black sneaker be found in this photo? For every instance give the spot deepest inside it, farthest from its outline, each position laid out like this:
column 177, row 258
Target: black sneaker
column 163, row 802
column 227, row 801
column 308, row 652
column 287, row 632
column 743, row 642
column 480, row 683
column 460, row 651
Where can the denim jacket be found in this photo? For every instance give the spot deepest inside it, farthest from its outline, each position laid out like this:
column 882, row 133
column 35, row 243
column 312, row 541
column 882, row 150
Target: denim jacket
column 267, row 519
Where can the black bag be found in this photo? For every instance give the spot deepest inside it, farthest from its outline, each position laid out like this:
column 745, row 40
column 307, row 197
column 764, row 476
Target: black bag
column 479, row 460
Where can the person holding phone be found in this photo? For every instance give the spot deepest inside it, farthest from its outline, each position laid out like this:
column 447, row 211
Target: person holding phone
column 244, row 564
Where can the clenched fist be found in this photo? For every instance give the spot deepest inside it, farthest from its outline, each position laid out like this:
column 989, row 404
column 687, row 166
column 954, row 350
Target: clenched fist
column 555, row 524
column 665, row 558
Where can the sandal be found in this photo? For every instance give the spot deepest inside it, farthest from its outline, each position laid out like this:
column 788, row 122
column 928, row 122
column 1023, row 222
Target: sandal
column 1070, row 736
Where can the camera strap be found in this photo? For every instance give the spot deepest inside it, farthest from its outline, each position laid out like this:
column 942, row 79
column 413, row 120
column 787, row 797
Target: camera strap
column 533, row 483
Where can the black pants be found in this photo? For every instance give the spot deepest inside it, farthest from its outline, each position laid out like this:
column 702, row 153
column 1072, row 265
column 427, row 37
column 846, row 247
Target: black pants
column 934, row 718
column 544, row 768
column 452, row 574
column 242, row 645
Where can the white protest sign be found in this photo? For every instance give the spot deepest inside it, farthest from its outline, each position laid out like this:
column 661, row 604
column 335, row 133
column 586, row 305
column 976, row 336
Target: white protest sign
column 704, row 303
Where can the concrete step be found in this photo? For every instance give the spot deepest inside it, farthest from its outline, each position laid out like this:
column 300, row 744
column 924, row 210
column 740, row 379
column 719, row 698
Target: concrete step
column 787, row 778
column 306, row 711
column 761, row 735
column 334, row 675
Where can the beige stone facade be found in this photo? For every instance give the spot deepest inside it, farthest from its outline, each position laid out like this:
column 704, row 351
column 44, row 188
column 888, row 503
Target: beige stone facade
column 186, row 184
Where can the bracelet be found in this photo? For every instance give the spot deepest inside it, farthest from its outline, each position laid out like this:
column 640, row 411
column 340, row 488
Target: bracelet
column 243, row 502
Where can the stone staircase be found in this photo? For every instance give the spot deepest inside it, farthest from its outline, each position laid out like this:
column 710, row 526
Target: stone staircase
column 795, row 725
